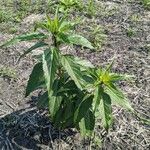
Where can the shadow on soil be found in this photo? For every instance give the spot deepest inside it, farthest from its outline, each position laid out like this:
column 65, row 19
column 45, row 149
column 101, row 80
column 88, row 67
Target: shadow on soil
column 29, row 128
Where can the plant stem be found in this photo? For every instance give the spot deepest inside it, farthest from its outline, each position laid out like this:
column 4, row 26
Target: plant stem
column 55, row 43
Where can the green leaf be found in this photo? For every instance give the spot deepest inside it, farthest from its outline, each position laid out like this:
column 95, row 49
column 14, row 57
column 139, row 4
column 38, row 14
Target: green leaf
column 64, row 117
column 87, row 124
column 55, row 100
column 106, row 110
column 65, row 26
column 43, row 101
column 54, row 105
column 84, row 63
column 72, row 69
column 41, row 25
column 75, row 39
column 36, row 79
column 37, row 45
column 27, row 37
column 50, row 66
column 97, row 98
column 83, row 108
column 117, row 77
column 108, row 68
column 118, row 97
column 69, row 87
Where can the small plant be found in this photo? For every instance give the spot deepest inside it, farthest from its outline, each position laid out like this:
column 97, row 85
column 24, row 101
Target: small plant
column 91, row 8
column 130, row 32
column 76, row 92
column 66, row 5
column 146, row 3
column 5, row 16
column 97, row 36
column 7, row 72
column 135, row 18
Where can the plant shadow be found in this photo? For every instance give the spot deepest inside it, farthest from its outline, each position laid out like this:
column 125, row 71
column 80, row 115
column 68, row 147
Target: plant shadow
column 30, row 128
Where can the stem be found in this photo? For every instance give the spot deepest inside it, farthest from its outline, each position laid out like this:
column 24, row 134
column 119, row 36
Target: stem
column 55, row 43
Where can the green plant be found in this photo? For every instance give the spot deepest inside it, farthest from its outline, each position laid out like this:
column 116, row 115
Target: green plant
column 76, row 92
column 130, row 32
column 97, row 36
column 91, row 8
column 7, row 72
column 135, row 18
column 66, row 5
column 146, row 3
column 5, row 15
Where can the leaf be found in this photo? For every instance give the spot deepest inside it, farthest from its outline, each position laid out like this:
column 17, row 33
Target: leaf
column 43, row 100
column 50, row 65
column 37, row 45
column 117, row 77
column 56, row 20
column 106, row 111
column 97, row 98
column 83, row 108
column 69, row 87
column 54, row 99
column 110, row 65
column 118, row 97
column 72, row 69
column 75, row 39
column 54, row 105
column 50, row 24
column 36, row 79
column 27, row 37
column 64, row 117
column 41, row 25
column 83, row 62
column 65, row 26
column 87, row 124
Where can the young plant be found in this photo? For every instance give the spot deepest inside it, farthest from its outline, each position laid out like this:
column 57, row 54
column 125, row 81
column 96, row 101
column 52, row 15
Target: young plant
column 76, row 92
column 146, row 3
column 130, row 32
column 5, row 15
column 65, row 5
column 97, row 36
column 91, row 8
column 7, row 72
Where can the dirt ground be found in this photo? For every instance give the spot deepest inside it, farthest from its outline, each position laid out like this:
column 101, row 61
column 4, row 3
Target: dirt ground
column 23, row 126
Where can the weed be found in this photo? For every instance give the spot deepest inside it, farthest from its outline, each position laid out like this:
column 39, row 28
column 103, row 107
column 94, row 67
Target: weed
column 130, row 32
column 146, row 3
column 91, row 8
column 97, row 36
column 67, row 5
column 8, row 27
column 7, row 72
column 135, row 18
column 105, row 11
column 76, row 92
column 5, row 16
